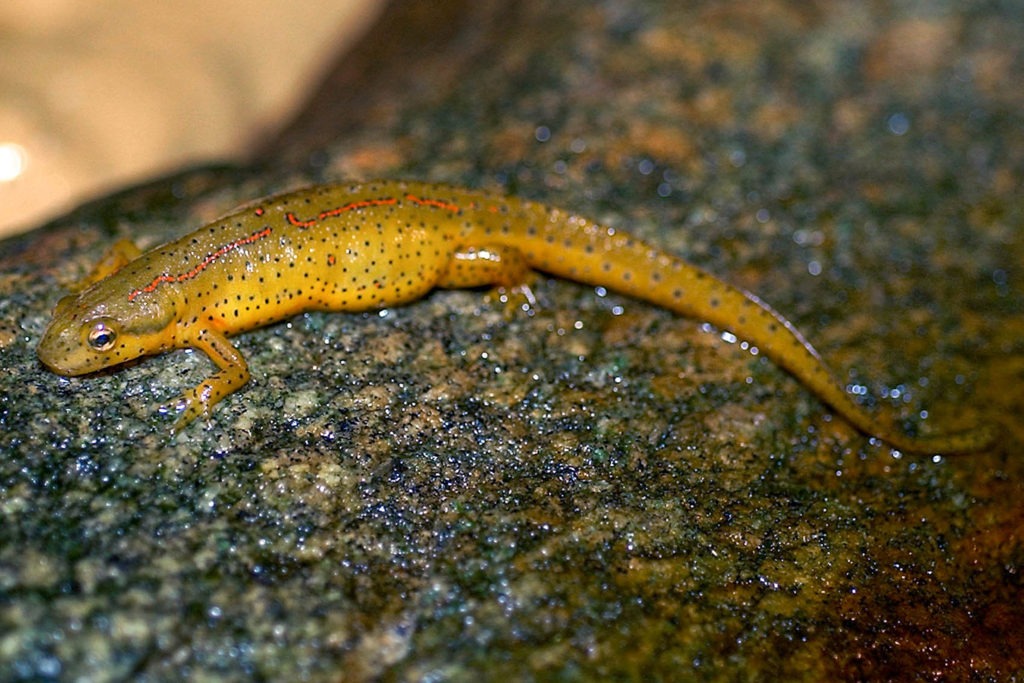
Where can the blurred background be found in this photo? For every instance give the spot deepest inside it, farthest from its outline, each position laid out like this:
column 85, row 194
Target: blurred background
column 97, row 94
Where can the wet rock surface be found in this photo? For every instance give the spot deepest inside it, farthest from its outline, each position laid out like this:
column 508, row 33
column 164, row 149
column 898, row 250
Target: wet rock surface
column 591, row 488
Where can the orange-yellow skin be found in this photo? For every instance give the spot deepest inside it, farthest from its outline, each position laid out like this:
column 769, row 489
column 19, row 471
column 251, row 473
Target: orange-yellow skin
column 363, row 246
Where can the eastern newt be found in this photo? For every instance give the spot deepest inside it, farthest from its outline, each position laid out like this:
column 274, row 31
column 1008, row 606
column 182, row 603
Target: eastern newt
column 355, row 247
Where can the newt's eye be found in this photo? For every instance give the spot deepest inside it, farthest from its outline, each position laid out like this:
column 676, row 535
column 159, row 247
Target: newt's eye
column 102, row 337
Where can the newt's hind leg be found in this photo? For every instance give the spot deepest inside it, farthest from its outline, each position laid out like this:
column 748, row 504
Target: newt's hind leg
column 496, row 265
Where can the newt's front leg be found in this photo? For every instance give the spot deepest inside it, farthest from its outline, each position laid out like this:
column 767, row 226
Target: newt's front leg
column 231, row 375
column 120, row 254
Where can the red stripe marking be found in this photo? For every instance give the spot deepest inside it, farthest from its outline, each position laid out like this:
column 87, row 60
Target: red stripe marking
column 433, row 202
column 364, row 204
column 226, row 249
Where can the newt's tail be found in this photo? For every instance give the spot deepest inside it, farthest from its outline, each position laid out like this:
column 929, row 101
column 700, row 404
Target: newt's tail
column 572, row 247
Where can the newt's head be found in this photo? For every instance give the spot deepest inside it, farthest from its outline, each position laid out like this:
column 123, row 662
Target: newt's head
column 99, row 328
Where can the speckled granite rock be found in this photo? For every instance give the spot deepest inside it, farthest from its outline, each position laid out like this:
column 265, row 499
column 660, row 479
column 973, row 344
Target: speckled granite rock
column 460, row 490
